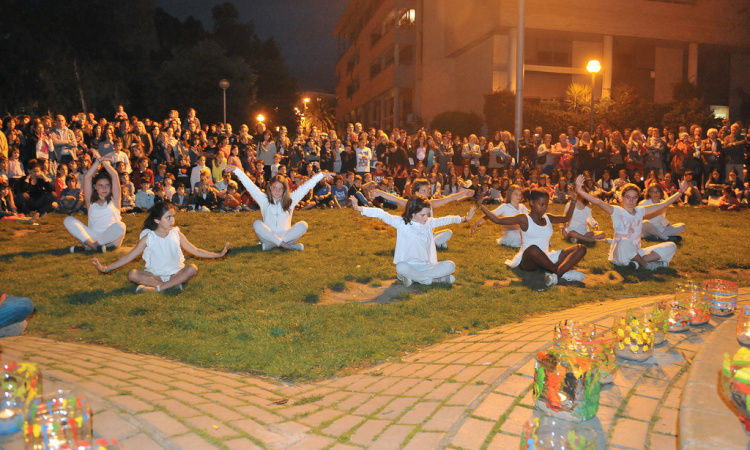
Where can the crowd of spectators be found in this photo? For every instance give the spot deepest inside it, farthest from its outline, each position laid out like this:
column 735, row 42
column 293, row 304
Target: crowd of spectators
column 179, row 159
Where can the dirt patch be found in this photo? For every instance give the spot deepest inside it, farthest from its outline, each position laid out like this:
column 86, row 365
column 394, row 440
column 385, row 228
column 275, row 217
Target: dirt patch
column 500, row 283
column 389, row 291
column 22, row 233
column 608, row 277
column 722, row 274
column 537, row 282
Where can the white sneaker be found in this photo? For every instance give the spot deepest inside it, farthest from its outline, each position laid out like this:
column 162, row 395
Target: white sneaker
column 406, row 281
column 573, row 240
column 297, row 247
column 449, row 279
column 550, row 279
column 14, row 329
column 573, row 275
column 266, row 247
column 656, row 265
column 443, row 245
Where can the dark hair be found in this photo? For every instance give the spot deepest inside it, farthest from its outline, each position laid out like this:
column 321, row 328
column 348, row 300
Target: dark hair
column 538, row 194
column 414, row 205
column 102, row 175
column 156, row 213
column 418, row 183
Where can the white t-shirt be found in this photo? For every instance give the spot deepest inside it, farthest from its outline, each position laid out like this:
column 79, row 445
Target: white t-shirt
column 101, row 218
column 627, row 226
column 163, row 256
column 364, row 155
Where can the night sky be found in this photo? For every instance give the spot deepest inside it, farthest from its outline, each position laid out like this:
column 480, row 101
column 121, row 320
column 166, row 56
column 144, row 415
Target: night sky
column 302, row 28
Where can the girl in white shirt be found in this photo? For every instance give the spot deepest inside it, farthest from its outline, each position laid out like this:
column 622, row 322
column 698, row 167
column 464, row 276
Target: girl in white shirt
column 512, row 206
column 416, row 255
column 578, row 227
column 277, row 206
column 659, row 226
column 161, row 244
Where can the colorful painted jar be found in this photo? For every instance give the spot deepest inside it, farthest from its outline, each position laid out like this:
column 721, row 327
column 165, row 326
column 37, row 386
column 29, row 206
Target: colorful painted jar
column 591, row 341
column 678, row 309
column 660, row 321
column 58, row 421
column 735, row 380
column 635, row 335
column 743, row 325
column 547, row 432
column 566, row 385
column 722, row 295
column 19, row 385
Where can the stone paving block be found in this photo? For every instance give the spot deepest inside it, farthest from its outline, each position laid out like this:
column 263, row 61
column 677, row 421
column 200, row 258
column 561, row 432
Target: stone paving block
column 396, row 408
column 298, row 410
column 503, row 441
column 131, row 403
column 514, row 385
column 186, row 386
column 471, row 358
column 363, row 383
column 466, row 395
column 145, row 393
column 292, row 427
column 186, row 397
column 472, row 433
column 665, row 371
column 390, row 368
column 381, row 385
column 162, row 422
column 422, row 388
column 667, row 422
column 627, row 376
column 447, row 372
column 214, row 428
column 60, row 374
column 242, row 444
column 427, row 371
column 515, row 421
column 111, row 425
column 392, row 437
column 178, row 408
column 258, row 431
column 419, row 413
column 510, row 359
column 468, row 373
column 444, row 418
column 312, row 442
column 97, row 388
column 449, row 358
column 354, row 401
column 443, row 391
column 674, row 398
column 613, row 395
column 490, row 375
column 319, row 417
column 606, row 417
column 332, row 398
column 401, row 387
column 494, row 406
column 373, row 405
column 630, row 433
column 345, row 381
column 151, row 385
column 110, row 382
column 192, row 441
column 259, row 414
column 367, row 432
column 424, row 441
column 141, row 442
column 431, row 356
column 115, row 373
column 342, row 425
column 663, row 442
column 223, row 399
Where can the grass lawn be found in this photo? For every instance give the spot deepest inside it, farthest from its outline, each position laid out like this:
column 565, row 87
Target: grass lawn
column 258, row 311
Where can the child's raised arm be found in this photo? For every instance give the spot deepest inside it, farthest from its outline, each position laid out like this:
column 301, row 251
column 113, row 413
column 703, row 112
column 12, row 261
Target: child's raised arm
column 200, row 253
column 115, row 184
column 606, row 207
column 436, row 203
column 401, row 202
column 519, row 219
column 131, row 255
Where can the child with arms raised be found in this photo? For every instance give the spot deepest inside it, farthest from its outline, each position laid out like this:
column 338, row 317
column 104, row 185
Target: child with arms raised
column 511, row 207
column 161, row 243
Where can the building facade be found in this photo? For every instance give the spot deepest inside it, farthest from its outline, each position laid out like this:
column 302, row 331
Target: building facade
column 460, row 50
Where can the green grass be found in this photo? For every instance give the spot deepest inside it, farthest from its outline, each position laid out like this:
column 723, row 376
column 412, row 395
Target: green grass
column 261, row 312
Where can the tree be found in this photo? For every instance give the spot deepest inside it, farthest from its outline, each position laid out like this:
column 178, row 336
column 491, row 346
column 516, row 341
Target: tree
column 458, row 122
column 578, row 98
column 688, row 108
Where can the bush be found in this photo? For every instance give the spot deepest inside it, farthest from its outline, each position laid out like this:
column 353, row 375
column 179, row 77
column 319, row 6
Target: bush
column 499, row 111
column 458, row 122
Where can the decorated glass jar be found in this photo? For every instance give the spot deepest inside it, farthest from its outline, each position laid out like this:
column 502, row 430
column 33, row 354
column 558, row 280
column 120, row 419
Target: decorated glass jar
column 659, row 319
column 591, row 341
column 58, row 421
column 566, row 385
column 635, row 335
column 722, row 295
column 19, row 385
column 743, row 325
column 678, row 310
column 547, row 432
column 735, row 380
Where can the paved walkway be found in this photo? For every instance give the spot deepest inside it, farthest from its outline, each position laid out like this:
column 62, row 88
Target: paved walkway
column 473, row 391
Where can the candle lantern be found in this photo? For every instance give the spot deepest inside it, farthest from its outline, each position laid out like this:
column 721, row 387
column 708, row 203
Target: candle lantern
column 735, row 380
column 679, row 307
column 635, row 335
column 548, row 432
column 57, row 422
column 743, row 325
column 19, row 385
column 566, row 385
column 722, row 295
column 590, row 341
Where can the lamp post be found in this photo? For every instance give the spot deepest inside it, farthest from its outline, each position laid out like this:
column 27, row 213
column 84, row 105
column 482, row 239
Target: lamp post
column 224, row 85
column 260, row 118
column 593, row 67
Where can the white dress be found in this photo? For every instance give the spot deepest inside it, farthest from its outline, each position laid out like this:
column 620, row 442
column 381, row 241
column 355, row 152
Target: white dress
column 511, row 233
column 627, row 239
column 101, row 218
column 163, row 256
column 581, row 220
column 536, row 235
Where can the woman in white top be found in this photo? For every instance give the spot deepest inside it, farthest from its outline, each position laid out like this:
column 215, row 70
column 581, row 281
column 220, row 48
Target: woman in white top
column 277, row 206
column 102, row 196
column 161, row 244
column 627, row 222
column 511, row 207
column 415, row 256
column 536, row 231
column 659, row 226
column 578, row 227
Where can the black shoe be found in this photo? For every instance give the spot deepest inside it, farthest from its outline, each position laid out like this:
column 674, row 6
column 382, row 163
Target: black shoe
column 77, row 249
column 633, row 265
column 101, row 249
column 674, row 239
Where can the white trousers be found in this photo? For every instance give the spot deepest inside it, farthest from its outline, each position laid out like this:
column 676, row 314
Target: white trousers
column 441, row 237
column 267, row 236
column 112, row 236
column 625, row 250
column 649, row 229
column 424, row 273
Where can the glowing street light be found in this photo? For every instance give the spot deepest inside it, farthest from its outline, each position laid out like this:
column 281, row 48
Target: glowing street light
column 261, row 118
column 593, row 67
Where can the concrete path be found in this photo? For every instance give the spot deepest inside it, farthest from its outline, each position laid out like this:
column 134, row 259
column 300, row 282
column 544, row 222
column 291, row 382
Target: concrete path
column 470, row 392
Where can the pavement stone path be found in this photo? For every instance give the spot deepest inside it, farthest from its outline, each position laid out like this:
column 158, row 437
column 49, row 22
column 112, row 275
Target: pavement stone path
column 473, row 391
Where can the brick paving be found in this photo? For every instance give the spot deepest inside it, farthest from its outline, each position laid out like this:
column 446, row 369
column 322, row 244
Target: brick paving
column 473, row 391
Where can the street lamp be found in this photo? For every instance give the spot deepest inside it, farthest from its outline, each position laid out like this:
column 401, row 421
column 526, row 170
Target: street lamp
column 224, row 85
column 260, row 118
column 593, row 67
